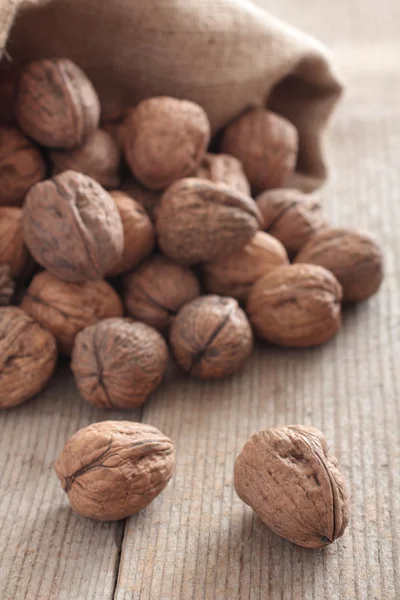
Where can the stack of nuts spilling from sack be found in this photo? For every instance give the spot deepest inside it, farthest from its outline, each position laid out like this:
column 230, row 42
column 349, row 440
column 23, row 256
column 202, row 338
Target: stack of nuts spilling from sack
column 187, row 252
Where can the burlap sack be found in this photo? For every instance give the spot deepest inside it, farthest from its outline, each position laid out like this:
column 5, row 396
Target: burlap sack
column 224, row 54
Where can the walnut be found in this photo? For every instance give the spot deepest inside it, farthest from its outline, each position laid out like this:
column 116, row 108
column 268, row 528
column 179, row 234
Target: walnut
column 65, row 308
column 267, row 146
column 56, row 104
column 117, row 363
column 352, row 256
column 28, row 356
column 99, row 158
column 233, row 276
column 211, row 337
column 199, row 221
column 7, row 285
column 291, row 480
column 72, row 227
column 164, row 140
column 156, row 291
column 291, row 216
column 113, row 469
column 13, row 251
column 139, row 238
column 147, row 198
column 223, row 168
column 296, row 305
column 21, row 166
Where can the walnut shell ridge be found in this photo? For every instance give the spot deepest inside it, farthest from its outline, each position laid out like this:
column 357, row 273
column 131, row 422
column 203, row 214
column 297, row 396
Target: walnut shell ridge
column 224, row 168
column 113, row 469
column 291, row 480
column 117, row 363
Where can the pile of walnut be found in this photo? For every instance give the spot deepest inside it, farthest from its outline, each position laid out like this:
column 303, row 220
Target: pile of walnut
column 176, row 255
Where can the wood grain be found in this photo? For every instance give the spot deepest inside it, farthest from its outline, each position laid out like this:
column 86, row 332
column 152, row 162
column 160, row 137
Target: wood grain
column 197, row 540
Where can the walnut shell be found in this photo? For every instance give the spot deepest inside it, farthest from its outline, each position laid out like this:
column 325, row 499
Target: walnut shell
column 211, row 337
column 267, row 146
column 224, row 168
column 117, row 363
column 21, row 166
column 199, row 221
column 13, row 251
column 352, row 256
column 291, row 480
column 234, row 276
column 65, row 308
column 56, row 104
column 296, row 305
column 291, row 216
column 164, row 140
column 156, row 291
column 139, row 236
column 113, row 469
column 28, row 356
column 99, row 158
column 7, row 285
column 147, row 198
column 72, row 227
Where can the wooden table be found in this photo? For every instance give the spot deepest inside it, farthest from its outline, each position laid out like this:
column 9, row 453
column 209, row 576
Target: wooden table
column 197, row 540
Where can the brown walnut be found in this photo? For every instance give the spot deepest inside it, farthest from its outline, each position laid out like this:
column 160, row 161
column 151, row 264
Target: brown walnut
column 117, row 363
column 13, row 251
column 99, row 158
column 28, row 356
column 165, row 140
column 224, row 168
column 65, row 308
column 139, row 237
column 72, row 227
column 56, row 104
column 199, row 221
column 291, row 216
column 352, row 256
column 7, row 285
column 234, row 276
column 296, row 305
column 292, row 481
column 113, row 469
column 156, row 291
column 147, row 198
column 267, row 146
column 211, row 337
column 21, row 166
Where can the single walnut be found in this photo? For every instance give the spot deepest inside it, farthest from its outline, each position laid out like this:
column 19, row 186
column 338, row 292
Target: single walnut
column 199, row 221
column 233, row 276
column 223, row 168
column 113, row 469
column 211, row 337
column 352, row 256
column 164, row 140
column 13, row 251
column 72, row 227
column 21, row 166
column 291, row 480
column 117, row 363
column 156, row 291
column 139, row 237
column 147, row 198
column 7, row 285
column 56, row 104
column 99, row 158
column 296, row 305
column 267, row 146
column 65, row 308
column 28, row 356
column 291, row 216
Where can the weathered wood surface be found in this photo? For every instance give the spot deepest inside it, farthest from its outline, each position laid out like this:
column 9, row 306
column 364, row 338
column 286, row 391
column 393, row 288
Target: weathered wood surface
column 197, row 540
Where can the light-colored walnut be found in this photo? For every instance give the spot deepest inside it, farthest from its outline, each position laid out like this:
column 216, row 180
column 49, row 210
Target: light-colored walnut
column 291, row 480
column 13, row 251
column 113, row 469
column 224, row 168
